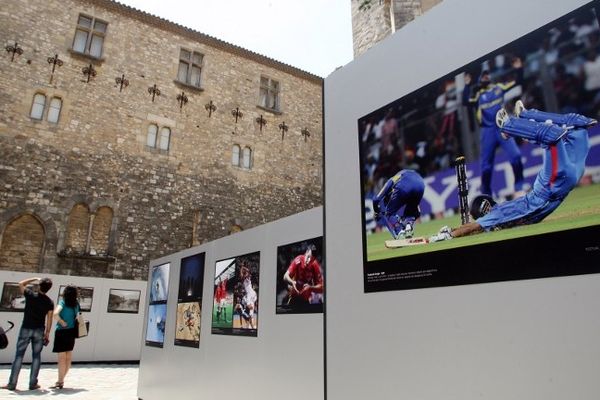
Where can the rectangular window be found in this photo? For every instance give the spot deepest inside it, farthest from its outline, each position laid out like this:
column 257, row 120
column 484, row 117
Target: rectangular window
column 89, row 36
column 151, row 137
column 165, row 138
column 54, row 110
column 235, row 155
column 37, row 108
column 247, row 158
column 269, row 93
column 190, row 67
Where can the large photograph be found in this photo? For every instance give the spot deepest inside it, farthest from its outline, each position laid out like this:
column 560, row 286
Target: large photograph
column 12, row 299
column 235, row 304
column 123, row 301
column 300, row 277
column 189, row 301
column 491, row 172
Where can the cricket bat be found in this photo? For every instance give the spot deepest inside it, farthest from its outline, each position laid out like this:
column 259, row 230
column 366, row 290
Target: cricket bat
column 416, row 241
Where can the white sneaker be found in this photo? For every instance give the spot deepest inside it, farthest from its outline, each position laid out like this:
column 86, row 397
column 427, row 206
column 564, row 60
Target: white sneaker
column 519, row 108
column 501, row 117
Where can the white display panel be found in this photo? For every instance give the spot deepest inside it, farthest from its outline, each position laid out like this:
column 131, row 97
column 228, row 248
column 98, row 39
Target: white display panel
column 534, row 339
column 284, row 360
column 100, row 344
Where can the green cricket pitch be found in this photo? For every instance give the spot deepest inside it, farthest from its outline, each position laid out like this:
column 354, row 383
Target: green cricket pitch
column 580, row 209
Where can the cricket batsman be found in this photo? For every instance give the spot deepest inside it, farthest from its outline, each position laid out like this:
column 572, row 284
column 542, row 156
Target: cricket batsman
column 488, row 100
column 564, row 139
column 403, row 190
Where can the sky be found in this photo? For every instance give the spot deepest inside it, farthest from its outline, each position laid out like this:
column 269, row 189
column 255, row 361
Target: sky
column 312, row 35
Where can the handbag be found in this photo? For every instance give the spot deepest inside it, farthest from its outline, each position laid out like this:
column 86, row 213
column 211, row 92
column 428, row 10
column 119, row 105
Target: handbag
column 82, row 326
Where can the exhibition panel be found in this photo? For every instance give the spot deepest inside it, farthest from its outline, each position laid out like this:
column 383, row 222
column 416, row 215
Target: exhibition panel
column 109, row 305
column 407, row 150
column 249, row 350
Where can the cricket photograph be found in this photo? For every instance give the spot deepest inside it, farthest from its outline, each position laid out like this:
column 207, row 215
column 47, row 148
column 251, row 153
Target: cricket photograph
column 235, row 302
column 497, row 158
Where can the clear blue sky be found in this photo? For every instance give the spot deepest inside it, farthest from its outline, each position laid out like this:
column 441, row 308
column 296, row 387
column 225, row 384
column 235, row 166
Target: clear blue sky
column 313, row 35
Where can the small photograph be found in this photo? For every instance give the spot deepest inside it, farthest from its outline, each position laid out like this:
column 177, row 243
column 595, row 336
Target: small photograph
column 187, row 330
column 191, row 278
column 300, row 277
column 12, row 299
column 155, row 332
column 159, row 285
column 86, row 295
column 235, row 306
column 124, row 301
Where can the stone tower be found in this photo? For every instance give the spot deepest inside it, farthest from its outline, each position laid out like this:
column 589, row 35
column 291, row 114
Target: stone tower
column 383, row 17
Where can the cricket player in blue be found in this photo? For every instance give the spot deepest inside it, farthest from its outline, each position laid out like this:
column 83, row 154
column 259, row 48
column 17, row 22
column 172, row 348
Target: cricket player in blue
column 564, row 139
column 488, row 100
column 405, row 189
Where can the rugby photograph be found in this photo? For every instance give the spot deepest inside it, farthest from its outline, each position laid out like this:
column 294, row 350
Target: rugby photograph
column 235, row 303
column 496, row 158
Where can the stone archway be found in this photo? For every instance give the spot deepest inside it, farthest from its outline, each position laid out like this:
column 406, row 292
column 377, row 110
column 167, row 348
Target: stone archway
column 22, row 244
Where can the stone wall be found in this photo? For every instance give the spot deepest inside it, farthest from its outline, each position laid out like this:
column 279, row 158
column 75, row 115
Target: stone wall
column 96, row 156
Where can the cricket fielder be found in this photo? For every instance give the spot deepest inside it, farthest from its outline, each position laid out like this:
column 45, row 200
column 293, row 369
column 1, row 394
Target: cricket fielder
column 488, row 100
column 564, row 139
column 405, row 189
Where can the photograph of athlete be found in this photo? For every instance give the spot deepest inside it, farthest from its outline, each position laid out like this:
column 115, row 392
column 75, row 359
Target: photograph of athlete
column 235, row 303
column 221, row 299
column 188, row 324
column 401, row 193
column 300, row 277
column 250, row 297
column 305, row 282
column 564, row 139
column 487, row 99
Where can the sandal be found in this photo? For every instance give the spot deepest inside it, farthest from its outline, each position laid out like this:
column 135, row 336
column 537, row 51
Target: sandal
column 57, row 385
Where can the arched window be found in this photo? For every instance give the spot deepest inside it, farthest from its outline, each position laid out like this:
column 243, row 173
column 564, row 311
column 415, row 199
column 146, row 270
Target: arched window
column 54, row 109
column 152, row 133
column 235, row 155
column 22, row 244
column 77, row 228
column 37, row 108
column 165, row 138
column 247, row 158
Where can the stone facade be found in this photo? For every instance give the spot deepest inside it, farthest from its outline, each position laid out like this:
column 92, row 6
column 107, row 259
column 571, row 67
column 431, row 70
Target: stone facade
column 87, row 195
column 384, row 17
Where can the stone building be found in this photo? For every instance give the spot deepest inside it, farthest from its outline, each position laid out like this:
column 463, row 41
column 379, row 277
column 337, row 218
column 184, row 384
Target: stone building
column 381, row 18
column 97, row 177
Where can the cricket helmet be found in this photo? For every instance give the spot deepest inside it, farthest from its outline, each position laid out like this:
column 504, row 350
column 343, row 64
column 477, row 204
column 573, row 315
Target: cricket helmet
column 481, row 205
